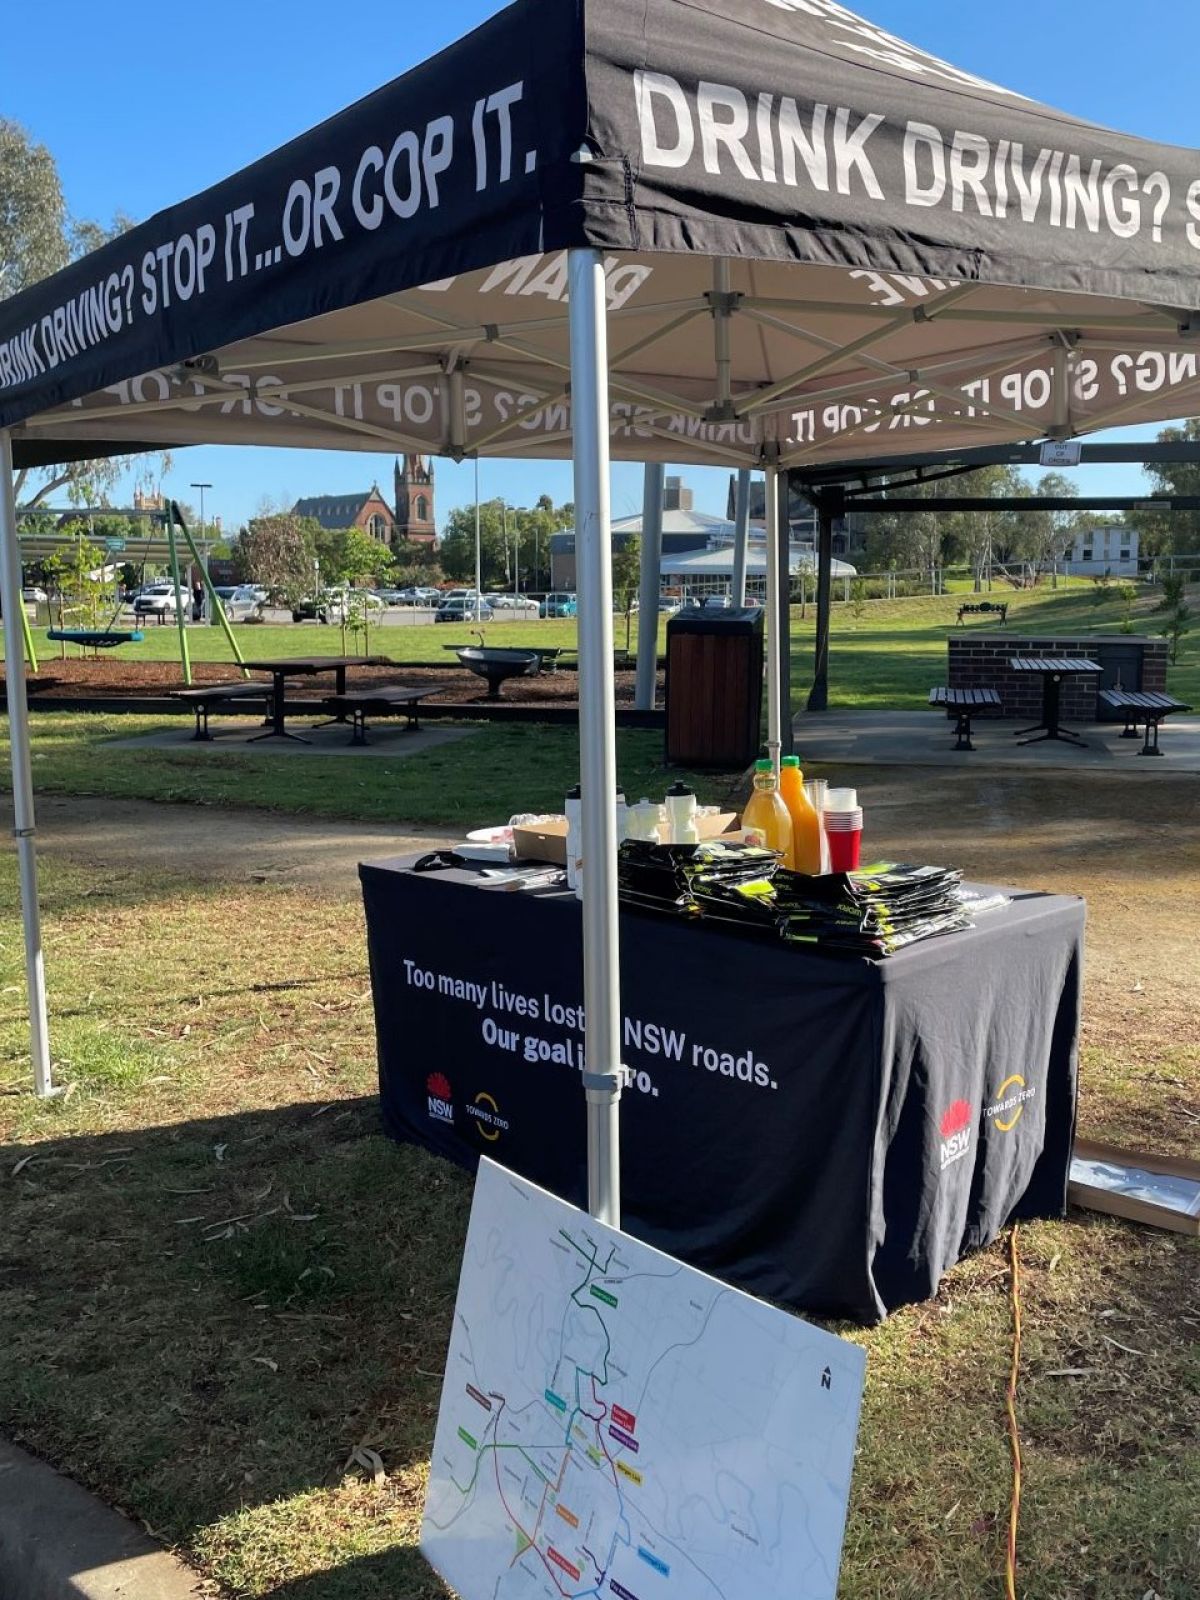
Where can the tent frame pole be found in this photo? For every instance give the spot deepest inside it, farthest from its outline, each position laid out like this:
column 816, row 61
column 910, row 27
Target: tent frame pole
column 786, row 738
column 650, row 578
column 741, row 536
column 24, row 825
column 829, row 504
column 774, row 743
column 603, row 1074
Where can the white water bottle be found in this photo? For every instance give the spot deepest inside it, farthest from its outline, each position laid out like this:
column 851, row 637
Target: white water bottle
column 622, row 817
column 643, row 821
column 681, row 815
column 573, row 808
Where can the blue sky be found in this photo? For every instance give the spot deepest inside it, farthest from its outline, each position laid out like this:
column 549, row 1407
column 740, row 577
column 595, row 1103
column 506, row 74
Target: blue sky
column 146, row 103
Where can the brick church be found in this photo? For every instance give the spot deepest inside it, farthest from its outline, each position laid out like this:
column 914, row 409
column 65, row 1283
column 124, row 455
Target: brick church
column 410, row 517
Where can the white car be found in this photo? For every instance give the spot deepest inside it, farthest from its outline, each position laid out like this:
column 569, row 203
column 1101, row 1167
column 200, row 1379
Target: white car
column 158, row 600
column 339, row 603
column 34, row 596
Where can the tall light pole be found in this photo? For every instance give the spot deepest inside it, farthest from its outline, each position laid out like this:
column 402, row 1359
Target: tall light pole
column 478, row 549
column 203, row 543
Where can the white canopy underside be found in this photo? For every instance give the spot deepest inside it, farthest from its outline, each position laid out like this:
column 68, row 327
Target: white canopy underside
column 715, row 363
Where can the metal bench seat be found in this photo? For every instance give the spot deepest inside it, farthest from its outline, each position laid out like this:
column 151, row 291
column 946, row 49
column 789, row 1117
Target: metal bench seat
column 1142, row 705
column 962, row 704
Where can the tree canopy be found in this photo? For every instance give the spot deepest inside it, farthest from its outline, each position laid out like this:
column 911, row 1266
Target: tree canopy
column 37, row 238
column 1161, row 532
column 510, row 537
column 925, row 540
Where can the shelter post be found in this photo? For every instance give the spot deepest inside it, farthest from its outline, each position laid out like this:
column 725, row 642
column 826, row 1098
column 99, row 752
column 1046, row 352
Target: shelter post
column 24, row 829
column 774, row 741
column 829, row 504
column 603, row 1074
column 741, row 535
column 185, row 659
column 478, row 550
column 650, row 576
column 784, row 600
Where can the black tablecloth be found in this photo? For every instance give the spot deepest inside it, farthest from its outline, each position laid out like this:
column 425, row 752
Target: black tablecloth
column 830, row 1133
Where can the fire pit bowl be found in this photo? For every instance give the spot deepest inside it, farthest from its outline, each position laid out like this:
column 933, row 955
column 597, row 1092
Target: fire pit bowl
column 497, row 666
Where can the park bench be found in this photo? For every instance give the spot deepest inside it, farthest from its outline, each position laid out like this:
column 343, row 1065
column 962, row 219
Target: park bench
column 213, row 694
column 388, row 701
column 963, row 704
column 1138, row 705
column 990, row 607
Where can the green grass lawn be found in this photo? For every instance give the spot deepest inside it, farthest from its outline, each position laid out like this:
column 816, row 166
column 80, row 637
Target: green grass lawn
column 218, row 1279
column 487, row 777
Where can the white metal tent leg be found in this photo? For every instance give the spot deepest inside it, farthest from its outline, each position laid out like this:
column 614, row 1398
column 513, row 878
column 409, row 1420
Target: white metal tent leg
column 651, row 570
column 603, row 1073
column 741, row 535
column 22, row 772
column 773, row 638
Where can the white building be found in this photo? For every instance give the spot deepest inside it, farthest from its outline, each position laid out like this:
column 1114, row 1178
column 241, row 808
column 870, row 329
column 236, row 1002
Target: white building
column 1100, row 552
column 700, row 572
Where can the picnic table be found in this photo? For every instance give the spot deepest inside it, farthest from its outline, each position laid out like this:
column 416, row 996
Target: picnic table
column 309, row 667
column 1052, row 670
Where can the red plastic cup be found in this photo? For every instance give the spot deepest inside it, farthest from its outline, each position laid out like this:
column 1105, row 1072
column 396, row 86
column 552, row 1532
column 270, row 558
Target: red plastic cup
column 844, row 847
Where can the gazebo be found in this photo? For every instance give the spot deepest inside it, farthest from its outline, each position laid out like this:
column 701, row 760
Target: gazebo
column 761, row 233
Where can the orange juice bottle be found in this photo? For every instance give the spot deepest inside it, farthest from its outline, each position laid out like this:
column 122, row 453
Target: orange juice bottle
column 767, row 815
column 806, row 824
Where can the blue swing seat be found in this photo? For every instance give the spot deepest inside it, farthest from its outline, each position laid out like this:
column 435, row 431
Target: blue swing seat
column 97, row 638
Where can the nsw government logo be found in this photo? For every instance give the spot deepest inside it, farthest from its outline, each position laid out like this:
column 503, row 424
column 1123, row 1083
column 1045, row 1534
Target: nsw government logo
column 955, row 1129
column 440, row 1101
column 1009, row 1105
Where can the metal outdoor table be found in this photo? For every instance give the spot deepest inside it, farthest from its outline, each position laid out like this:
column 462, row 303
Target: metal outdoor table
column 307, row 667
column 1052, row 670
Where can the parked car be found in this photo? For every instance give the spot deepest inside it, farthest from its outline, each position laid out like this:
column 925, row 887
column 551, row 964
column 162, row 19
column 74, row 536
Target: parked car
column 668, row 607
column 717, row 602
column 558, row 605
column 394, row 597
column 242, row 601
column 34, row 596
column 334, row 605
column 463, row 610
column 158, row 600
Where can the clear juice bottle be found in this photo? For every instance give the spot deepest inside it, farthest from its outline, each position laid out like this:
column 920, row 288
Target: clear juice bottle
column 766, row 813
column 806, row 824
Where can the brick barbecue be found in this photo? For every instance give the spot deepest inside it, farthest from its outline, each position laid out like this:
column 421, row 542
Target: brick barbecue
column 980, row 661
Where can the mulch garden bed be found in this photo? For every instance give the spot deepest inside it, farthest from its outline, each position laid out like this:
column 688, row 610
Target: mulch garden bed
column 108, row 679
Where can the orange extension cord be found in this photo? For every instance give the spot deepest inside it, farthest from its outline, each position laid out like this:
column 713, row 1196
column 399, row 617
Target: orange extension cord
column 1014, row 1437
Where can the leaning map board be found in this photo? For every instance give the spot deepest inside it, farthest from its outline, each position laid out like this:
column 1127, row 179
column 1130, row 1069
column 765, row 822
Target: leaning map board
column 617, row 1425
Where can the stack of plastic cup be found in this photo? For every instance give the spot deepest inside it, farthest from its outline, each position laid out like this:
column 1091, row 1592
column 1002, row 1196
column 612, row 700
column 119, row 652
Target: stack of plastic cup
column 815, row 789
column 843, row 821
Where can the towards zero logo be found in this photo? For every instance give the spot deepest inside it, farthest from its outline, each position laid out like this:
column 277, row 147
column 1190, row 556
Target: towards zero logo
column 488, row 1121
column 1009, row 1106
column 955, row 1129
column 440, row 1101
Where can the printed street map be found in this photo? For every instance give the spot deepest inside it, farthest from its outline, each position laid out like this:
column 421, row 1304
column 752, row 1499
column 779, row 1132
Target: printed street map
column 617, row 1425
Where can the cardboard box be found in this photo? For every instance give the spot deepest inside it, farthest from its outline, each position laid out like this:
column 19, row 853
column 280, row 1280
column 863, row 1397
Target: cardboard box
column 1135, row 1208
column 548, row 841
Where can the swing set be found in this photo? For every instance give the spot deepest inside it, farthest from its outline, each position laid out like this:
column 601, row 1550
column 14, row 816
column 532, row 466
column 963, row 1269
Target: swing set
column 110, row 637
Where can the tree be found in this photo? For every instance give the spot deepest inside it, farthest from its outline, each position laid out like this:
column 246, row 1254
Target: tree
column 38, row 238
column 350, row 556
column 507, row 534
column 1160, row 532
column 278, row 553
column 626, row 575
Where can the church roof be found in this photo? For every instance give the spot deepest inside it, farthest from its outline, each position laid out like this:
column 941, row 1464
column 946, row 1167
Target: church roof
column 337, row 510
